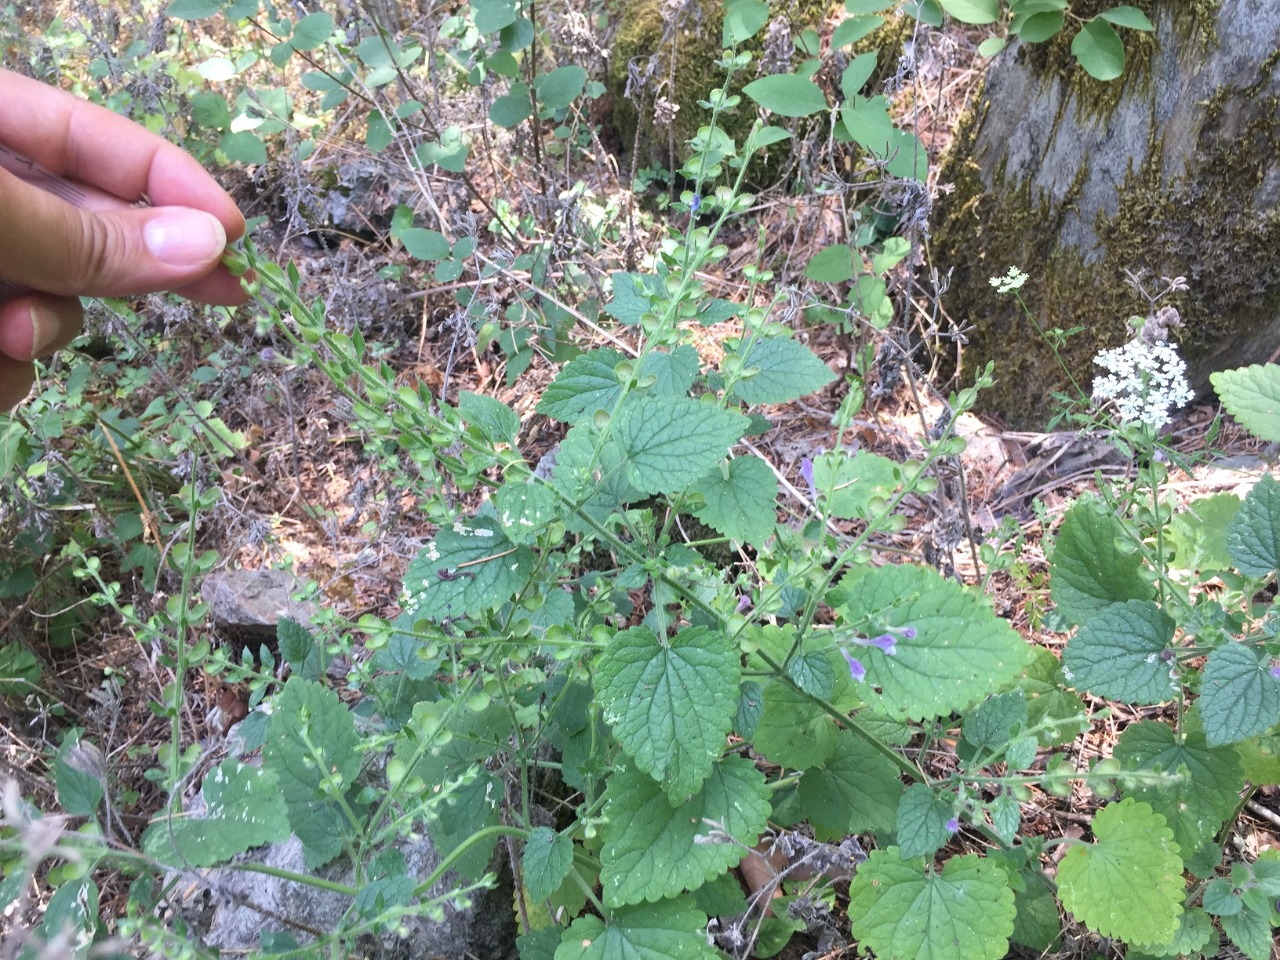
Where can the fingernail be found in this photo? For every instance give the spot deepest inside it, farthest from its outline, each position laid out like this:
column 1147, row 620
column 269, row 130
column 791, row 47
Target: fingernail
column 188, row 238
column 47, row 333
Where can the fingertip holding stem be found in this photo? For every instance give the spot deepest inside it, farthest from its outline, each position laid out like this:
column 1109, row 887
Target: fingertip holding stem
column 185, row 238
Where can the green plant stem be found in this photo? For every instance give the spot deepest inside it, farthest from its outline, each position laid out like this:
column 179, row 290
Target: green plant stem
column 457, row 853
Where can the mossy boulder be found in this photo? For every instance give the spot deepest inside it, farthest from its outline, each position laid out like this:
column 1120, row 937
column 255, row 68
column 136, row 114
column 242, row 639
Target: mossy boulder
column 1175, row 170
column 684, row 41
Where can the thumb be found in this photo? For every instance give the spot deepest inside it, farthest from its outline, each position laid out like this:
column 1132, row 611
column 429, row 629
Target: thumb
column 49, row 245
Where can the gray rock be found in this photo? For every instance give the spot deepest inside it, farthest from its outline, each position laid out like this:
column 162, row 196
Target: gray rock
column 229, row 909
column 254, row 601
column 365, row 196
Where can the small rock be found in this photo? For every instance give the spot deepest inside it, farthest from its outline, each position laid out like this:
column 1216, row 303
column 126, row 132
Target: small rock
column 254, row 601
column 230, row 909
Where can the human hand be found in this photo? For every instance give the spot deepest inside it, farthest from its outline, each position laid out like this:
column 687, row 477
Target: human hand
column 108, row 247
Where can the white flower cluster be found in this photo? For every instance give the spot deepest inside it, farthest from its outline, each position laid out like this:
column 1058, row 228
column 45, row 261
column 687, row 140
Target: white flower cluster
column 1147, row 381
column 1013, row 280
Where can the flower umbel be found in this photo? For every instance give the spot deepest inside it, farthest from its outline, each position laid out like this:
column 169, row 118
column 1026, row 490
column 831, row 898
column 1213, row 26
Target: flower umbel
column 1011, row 281
column 1147, row 381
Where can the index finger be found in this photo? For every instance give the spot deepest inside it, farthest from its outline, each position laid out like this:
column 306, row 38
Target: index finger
column 88, row 143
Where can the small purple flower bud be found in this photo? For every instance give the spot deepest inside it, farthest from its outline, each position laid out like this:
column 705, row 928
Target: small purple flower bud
column 953, row 825
column 856, row 669
column 806, row 471
column 695, row 203
column 908, row 633
column 744, row 603
column 267, row 354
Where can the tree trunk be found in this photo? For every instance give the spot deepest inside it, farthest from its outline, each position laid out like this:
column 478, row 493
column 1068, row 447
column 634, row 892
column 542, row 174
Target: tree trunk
column 1173, row 170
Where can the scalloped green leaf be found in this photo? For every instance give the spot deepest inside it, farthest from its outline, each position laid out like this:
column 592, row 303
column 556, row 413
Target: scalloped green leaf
column 1124, row 653
column 1097, row 48
column 995, row 721
column 525, row 510
column 315, row 754
column 922, row 821
column 469, row 567
column 1090, row 571
column 597, row 482
column 964, row 912
column 655, row 849
column 671, row 930
column 585, row 385
column 961, row 650
column 1238, row 695
column 673, row 372
column 784, row 370
column 1195, row 935
column 1059, row 712
column 793, row 731
column 545, row 862
column 739, row 500
column 1253, row 535
column 670, row 441
column 1208, row 787
column 1127, row 883
column 787, row 95
column 1251, row 932
column 1252, row 395
column 670, row 702
column 856, row 790
column 243, row 809
column 496, row 421
column 846, row 485
column 633, row 296
column 1198, row 534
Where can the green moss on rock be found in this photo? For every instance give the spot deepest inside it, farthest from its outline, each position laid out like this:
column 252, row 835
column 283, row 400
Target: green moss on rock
column 685, row 72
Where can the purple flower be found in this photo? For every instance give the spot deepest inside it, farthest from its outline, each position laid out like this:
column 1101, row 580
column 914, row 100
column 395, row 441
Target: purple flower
column 953, row 825
column 744, row 603
column 856, row 669
column 1275, row 672
column 695, row 203
column 887, row 641
column 267, row 354
column 806, row 471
